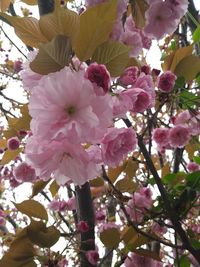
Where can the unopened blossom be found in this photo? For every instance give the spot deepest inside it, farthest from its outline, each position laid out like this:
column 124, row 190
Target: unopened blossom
column 67, row 99
column 179, row 136
column 24, row 173
column 116, row 144
column 71, row 203
column 166, row 81
column 193, row 167
column 183, row 118
column 143, row 198
column 161, row 136
column 18, row 65
column 129, row 76
column 100, row 215
column 92, row 256
column 58, row 205
column 140, row 99
column 145, row 82
column 158, row 229
column 62, row 158
column 83, row 226
column 13, row 143
column 99, row 77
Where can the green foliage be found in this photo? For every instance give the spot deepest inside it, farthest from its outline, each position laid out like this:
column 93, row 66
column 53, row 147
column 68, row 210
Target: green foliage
column 189, row 100
column 96, row 24
column 113, row 55
column 52, row 56
column 110, row 237
column 41, row 235
column 32, row 208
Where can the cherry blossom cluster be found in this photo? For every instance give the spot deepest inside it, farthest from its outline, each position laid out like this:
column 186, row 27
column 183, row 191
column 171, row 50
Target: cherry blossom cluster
column 139, row 204
column 162, row 17
column 186, row 125
column 73, row 132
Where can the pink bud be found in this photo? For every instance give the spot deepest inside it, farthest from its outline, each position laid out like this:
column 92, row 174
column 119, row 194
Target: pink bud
column 129, row 76
column 17, row 65
column 13, row 143
column 166, row 81
column 193, row 167
column 92, row 256
column 83, row 226
column 99, row 76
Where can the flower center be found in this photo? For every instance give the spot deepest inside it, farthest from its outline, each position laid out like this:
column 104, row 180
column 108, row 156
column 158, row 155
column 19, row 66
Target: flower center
column 70, row 110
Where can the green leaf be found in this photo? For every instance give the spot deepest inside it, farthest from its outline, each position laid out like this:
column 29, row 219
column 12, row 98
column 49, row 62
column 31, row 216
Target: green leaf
column 96, row 24
column 196, row 35
column 189, row 100
column 38, row 187
column 32, row 208
column 52, row 56
column 193, row 180
column 114, row 55
column 184, row 262
column 126, row 185
column 20, row 253
column 54, row 187
column 27, row 29
column 188, row 67
column 41, row 235
column 10, row 155
column 110, row 237
column 196, row 159
column 62, row 21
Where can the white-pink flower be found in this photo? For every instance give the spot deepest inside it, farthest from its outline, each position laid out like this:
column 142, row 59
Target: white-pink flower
column 65, row 99
column 24, row 173
column 30, row 78
column 140, row 99
column 179, row 136
column 162, row 18
column 116, row 144
column 62, row 158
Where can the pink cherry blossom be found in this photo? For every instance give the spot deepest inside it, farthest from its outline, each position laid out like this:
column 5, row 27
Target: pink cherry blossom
column 30, row 78
column 121, row 105
column 135, row 260
column 83, row 226
column 132, row 39
column 116, row 144
column 166, row 81
column 161, row 19
column 140, row 99
column 24, row 173
column 18, row 65
column 129, row 76
column 62, row 158
column 92, row 256
column 161, row 136
column 65, row 99
column 158, row 229
column 193, row 167
column 100, row 78
column 13, row 143
column 145, row 82
column 179, row 136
